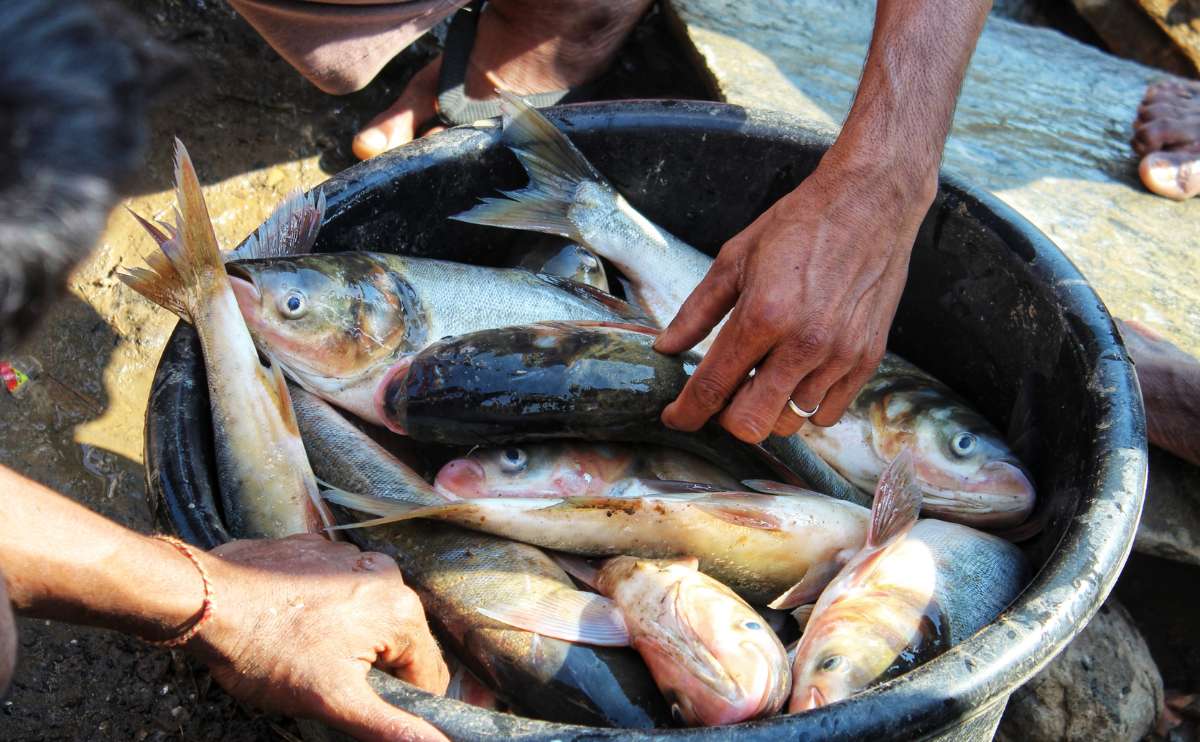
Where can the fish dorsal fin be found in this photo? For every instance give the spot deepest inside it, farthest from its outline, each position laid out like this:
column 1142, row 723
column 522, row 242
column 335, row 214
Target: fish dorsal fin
column 802, row 614
column 768, row 487
column 570, row 615
column 897, row 501
column 290, row 230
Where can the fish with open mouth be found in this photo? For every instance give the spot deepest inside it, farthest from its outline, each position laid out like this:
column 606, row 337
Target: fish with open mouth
column 711, row 654
column 456, row 572
column 965, row 469
column 914, row 590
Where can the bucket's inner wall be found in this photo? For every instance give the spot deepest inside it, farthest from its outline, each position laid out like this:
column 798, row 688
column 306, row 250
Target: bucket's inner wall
column 990, row 307
column 973, row 313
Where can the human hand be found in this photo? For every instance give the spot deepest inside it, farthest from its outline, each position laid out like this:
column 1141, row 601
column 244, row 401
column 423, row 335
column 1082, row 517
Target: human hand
column 300, row 621
column 813, row 284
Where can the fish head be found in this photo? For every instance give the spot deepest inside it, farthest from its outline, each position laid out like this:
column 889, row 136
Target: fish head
column 838, row 656
column 537, row 470
column 326, row 316
column 715, row 659
column 967, row 472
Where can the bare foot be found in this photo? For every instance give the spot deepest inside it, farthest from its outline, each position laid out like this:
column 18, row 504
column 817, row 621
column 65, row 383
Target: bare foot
column 1170, row 381
column 526, row 46
column 1167, row 136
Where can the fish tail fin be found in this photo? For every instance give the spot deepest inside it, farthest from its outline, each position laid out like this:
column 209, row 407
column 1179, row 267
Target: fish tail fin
column 897, row 501
column 291, row 229
column 189, row 267
column 555, row 167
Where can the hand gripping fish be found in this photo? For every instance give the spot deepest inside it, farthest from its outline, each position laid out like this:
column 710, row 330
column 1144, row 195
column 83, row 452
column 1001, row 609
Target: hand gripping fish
column 965, row 469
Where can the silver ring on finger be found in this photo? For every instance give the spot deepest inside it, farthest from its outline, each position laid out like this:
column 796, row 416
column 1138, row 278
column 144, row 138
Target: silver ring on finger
column 795, row 408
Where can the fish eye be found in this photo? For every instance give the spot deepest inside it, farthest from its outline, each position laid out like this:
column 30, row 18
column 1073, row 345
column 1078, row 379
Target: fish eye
column 752, row 625
column 513, row 460
column 963, row 443
column 831, row 663
column 293, row 305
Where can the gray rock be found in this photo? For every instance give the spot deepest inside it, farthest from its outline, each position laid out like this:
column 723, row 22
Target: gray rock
column 1104, row 686
column 1170, row 525
column 1043, row 122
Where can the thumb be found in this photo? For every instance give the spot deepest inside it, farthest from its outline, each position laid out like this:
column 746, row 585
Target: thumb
column 704, row 308
column 365, row 716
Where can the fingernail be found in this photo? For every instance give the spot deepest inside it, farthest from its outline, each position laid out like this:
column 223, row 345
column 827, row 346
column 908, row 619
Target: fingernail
column 368, row 143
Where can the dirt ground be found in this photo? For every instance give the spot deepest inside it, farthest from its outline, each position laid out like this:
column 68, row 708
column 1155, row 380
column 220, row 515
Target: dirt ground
column 255, row 130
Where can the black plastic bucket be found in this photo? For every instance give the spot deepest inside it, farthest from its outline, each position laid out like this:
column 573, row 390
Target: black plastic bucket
column 991, row 307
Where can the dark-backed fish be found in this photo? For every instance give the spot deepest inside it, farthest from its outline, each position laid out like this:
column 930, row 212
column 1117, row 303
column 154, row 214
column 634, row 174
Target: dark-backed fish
column 967, row 472
column 456, row 572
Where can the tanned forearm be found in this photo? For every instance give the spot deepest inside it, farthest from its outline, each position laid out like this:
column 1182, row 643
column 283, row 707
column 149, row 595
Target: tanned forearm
column 901, row 116
column 812, row 285
column 62, row 561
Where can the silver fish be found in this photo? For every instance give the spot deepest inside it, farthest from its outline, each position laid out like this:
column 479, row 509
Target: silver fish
column 967, row 472
column 759, row 545
column 916, row 589
column 457, row 572
column 267, row 486
column 709, row 651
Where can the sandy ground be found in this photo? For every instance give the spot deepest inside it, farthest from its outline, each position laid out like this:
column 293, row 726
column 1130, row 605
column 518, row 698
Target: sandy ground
column 255, row 130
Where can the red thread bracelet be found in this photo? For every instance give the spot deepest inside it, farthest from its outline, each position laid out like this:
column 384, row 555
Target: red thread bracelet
column 206, row 610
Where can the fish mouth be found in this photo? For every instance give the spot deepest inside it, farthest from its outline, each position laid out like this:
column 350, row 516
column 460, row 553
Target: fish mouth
column 249, row 298
column 387, row 406
column 461, row 478
column 1000, row 495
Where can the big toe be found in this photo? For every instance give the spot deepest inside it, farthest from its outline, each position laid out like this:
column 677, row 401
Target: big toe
column 1174, row 174
column 400, row 123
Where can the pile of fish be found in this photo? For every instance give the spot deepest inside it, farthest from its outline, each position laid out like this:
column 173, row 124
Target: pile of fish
column 580, row 561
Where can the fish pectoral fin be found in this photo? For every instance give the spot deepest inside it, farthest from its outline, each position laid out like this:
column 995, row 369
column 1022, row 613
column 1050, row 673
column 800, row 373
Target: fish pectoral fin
column 570, row 615
column 897, row 501
column 675, row 486
column 768, row 487
column 802, row 614
column 809, row 588
column 744, row 515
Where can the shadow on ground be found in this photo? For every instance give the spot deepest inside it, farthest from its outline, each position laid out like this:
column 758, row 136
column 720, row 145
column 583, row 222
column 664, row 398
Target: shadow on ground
column 255, row 130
